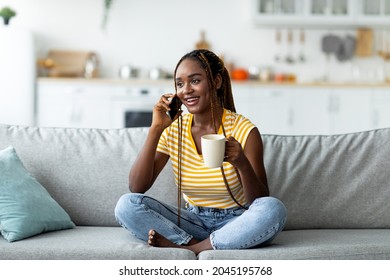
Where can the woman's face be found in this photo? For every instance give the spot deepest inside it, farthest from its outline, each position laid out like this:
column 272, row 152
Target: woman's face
column 192, row 87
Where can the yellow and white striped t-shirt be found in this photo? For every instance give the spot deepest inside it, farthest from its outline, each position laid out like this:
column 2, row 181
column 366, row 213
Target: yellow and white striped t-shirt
column 202, row 186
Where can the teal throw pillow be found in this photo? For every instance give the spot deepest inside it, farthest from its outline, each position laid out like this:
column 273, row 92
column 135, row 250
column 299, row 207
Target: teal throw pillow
column 26, row 208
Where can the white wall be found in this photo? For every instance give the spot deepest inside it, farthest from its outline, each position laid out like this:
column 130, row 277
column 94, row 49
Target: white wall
column 156, row 33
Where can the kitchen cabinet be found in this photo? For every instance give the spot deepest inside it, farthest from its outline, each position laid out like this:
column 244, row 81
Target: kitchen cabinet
column 317, row 13
column 350, row 110
column 73, row 105
column 313, row 110
column 381, row 108
column 269, row 108
column 274, row 108
column 374, row 12
column 331, row 110
column 97, row 103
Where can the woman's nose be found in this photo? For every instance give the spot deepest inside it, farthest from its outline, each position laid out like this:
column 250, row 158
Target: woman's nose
column 187, row 88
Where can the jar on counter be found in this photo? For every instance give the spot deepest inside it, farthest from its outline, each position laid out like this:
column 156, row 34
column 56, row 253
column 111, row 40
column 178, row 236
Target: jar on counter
column 266, row 74
column 128, row 72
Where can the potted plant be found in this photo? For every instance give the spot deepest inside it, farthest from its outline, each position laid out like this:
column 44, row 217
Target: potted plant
column 7, row 13
column 107, row 7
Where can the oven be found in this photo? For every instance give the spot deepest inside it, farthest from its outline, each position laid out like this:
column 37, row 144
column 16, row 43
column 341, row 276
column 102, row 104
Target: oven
column 133, row 106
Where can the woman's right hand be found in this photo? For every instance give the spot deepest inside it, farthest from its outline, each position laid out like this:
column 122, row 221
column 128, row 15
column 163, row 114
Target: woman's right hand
column 160, row 116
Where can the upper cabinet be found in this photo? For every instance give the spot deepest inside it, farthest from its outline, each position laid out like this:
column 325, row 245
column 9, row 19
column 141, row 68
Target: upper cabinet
column 317, row 13
column 374, row 12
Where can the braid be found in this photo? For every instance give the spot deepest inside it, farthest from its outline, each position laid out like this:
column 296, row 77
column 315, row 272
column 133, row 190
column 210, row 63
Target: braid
column 227, row 96
column 211, row 85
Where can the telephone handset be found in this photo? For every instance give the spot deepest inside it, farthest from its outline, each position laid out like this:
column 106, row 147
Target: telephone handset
column 175, row 107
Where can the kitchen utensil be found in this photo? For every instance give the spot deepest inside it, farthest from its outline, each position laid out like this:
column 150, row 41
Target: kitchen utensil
column 289, row 57
column 301, row 56
column 379, row 42
column 278, row 41
column 330, row 44
column 347, row 48
column 384, row 43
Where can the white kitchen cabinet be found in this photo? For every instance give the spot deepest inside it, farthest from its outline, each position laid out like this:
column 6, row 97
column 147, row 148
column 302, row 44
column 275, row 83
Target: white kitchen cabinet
column 275, row 109
column 350, row 110
column 331, row 110
column 97, row 103
column 269, row 108
column 73, row 105
column 381, row 108
column 311, row 111
column 277, row 11
column 335, row 13
column 374, row 12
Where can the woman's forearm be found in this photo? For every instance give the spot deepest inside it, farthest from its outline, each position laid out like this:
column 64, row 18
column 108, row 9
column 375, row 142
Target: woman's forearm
column 253, row 186
column 142, row 173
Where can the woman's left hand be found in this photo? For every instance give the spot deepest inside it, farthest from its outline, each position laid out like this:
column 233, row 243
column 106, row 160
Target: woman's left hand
column 234, row 154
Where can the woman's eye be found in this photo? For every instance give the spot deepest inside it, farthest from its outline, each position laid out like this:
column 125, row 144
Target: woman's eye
column 195, row 81
column 179, row 85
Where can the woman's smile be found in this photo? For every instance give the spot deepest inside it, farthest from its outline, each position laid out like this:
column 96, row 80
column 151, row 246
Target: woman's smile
column 191, row 101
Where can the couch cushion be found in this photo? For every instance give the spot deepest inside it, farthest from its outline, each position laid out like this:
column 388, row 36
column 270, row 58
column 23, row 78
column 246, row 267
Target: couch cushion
column 88, row 243
column 336, row 181
column 336, row 244
column 84, row 170
column 26, row 208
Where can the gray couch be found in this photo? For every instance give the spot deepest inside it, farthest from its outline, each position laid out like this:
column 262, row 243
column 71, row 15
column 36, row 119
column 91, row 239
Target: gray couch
column 336, row 189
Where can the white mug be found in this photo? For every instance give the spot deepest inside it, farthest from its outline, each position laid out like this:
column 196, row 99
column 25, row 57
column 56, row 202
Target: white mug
column 213, row 150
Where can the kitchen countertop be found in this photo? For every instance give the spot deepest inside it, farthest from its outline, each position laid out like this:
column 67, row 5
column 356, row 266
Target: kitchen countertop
column 168, row 82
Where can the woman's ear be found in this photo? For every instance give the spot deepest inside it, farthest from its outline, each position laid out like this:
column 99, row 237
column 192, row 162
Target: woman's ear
column 218, row 81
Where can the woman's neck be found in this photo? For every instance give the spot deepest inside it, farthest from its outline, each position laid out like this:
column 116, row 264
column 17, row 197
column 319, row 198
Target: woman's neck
column 204, row 121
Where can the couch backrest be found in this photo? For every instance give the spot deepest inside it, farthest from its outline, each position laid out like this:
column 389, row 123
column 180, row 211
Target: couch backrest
column 85, row 170
column 337, row 181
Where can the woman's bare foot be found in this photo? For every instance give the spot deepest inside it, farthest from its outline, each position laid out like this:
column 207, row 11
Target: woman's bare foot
column 157, row 240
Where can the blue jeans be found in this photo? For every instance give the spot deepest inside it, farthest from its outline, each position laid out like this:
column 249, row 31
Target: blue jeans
column 233, row 228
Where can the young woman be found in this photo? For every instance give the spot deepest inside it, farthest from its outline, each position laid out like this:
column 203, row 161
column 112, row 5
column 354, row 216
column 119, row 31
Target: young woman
column 226, row 208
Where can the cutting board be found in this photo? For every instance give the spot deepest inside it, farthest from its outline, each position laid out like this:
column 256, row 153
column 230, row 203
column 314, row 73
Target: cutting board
column 67, row 63
column 364, row 42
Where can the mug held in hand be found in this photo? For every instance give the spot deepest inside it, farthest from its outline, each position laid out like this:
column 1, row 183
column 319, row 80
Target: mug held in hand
column 213, row 150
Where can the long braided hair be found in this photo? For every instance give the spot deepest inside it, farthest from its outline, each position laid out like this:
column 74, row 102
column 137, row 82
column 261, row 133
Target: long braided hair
column 213, row 66
column 222, row 97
